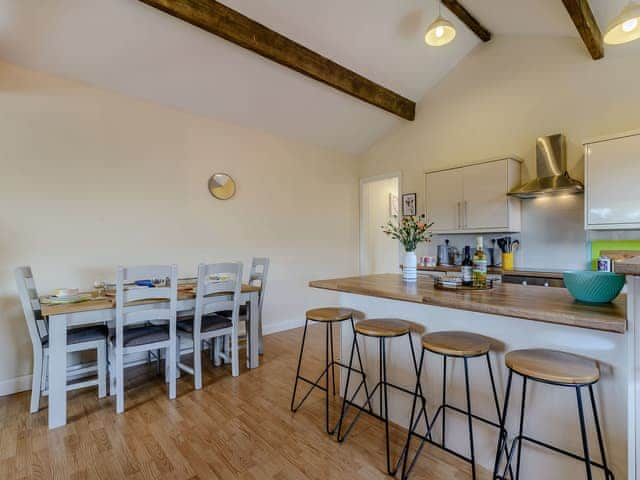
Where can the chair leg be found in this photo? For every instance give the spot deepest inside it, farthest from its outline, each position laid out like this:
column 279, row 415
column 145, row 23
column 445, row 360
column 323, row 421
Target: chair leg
column 406, row 467
column 119, row 380
column 197, row 363
column 583, row 432
column 172, row 364
column 101, row 358
column 217, row 350
column 235, row 361
column 260, row 343
column 111, row 368
column 470, row 419
column 36, row 379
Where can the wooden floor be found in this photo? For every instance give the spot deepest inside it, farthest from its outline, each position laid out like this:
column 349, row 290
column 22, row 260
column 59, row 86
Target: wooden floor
column 232, row 428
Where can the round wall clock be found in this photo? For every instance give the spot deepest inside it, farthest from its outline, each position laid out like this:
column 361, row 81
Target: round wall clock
column 222, row 186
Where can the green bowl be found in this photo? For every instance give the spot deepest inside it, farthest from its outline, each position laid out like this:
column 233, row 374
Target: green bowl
column 593, row 287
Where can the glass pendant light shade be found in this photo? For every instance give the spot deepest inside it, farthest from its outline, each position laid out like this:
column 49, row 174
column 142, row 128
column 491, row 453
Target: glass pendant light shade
column 440, row 32
column 625, row 27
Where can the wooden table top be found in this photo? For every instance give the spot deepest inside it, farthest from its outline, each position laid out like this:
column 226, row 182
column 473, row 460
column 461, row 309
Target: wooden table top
column 550, row 304
column 185, row 292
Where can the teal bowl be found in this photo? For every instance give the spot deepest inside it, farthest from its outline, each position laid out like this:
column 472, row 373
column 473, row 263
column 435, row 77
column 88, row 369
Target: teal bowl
column 593, row 287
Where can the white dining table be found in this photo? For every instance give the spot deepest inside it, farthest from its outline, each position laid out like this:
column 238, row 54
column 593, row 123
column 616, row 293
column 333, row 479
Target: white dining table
column 102, row 311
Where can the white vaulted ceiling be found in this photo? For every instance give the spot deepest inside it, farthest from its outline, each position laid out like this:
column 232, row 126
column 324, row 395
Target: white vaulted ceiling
column 128, row 47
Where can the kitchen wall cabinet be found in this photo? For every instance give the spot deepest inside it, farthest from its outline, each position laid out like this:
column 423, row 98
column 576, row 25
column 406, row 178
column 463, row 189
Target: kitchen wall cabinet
column 612, row 170
column 473, row 198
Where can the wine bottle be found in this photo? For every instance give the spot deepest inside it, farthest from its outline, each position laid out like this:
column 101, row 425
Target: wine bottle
column 479, row 266
column 467, row 267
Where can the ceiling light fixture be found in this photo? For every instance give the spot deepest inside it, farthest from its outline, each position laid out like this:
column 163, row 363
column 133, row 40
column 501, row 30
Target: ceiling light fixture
column 441, row 31
column 625, row 27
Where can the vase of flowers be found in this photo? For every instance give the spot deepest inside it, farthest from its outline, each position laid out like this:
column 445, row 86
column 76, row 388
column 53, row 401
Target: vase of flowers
column 411, row 231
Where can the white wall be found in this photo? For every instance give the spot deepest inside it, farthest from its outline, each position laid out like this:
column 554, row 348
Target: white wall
column 496, row 102
column 90, row 180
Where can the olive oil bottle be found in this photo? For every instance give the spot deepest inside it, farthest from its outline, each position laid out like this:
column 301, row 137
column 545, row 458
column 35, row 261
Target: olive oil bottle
column 479, row 266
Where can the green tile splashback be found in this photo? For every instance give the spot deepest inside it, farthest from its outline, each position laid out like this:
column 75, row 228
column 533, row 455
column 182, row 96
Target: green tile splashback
column 598, row 245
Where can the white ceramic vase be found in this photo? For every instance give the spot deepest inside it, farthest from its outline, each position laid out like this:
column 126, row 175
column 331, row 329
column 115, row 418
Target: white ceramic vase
column 409, row 271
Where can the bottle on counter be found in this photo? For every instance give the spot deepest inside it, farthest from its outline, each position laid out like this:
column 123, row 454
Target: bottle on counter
column 467, row 267
column 479, row 266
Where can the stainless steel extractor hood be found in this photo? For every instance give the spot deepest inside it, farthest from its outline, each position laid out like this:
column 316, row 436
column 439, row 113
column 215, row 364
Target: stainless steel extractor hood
column 551, row 170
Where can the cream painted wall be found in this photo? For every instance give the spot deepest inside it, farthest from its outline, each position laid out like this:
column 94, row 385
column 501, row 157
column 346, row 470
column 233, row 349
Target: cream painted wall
column 497, row 101
column 92, row 179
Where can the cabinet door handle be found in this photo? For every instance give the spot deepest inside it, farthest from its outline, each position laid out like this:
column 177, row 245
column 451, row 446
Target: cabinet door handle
column 465, row 214
column 459, row 215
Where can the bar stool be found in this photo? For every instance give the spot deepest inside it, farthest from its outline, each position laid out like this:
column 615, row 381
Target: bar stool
column 559, row 369
column 328, row 316
column 382, row 329
column 452, row 344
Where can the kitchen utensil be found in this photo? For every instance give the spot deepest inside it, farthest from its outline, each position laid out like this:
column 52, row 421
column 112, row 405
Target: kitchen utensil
column 443, row 254
column 507, row 261
column 593, row 287
column 502, row 244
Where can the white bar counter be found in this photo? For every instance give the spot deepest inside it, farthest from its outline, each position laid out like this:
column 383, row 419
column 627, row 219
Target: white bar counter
column 515, row 317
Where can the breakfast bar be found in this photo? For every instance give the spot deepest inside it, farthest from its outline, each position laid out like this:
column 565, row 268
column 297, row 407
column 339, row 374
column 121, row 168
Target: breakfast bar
column 512, row 317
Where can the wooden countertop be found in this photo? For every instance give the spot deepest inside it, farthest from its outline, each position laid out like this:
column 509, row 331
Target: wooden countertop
column 629, row 266
column 550, row 305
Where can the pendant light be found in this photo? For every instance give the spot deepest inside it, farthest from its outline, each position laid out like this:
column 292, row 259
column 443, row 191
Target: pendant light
column 625, row 27
column 441, row 31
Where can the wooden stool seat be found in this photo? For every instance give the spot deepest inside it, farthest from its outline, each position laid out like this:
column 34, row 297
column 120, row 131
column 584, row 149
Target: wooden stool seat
column 553, row 366
column 329, row 314
column 383, row 327
column 457, row 344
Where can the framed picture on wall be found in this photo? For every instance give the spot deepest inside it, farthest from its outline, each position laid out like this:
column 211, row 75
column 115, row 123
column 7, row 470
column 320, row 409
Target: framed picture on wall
column 393, row 205
column 409, row 204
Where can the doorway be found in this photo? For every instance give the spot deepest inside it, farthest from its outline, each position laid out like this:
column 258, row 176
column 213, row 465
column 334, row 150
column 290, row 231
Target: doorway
column 379, row 203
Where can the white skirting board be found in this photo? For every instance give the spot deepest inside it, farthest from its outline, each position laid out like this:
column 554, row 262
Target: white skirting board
column 23, row 383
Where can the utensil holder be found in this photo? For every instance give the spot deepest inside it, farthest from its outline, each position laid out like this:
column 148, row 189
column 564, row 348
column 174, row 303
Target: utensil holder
column 507, row 261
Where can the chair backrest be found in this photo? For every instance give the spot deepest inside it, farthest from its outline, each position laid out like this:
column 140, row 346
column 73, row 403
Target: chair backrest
column 215, row 281
column 258, row 275
column 136, row 305
column 36, row 325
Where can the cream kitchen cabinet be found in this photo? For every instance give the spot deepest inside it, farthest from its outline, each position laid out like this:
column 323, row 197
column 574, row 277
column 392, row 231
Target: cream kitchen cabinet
column 473, row 199
column 612, row 170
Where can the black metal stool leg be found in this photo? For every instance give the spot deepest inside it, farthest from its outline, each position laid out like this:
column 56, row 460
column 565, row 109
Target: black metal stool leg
column 346, row 389
column 364, row 378
column 583, row 431
column 333, row 359
column 295, row 387
column 522, row 406
column 497, row 402
column 444, row 399
column 470, row 418
column 603, row 455
column 383, row 379
column 328, row 338
column 502, row 437
column 405, row 472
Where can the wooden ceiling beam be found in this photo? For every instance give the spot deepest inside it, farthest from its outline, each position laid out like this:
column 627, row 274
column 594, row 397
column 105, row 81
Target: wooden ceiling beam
column 235, row 27
column 582, row 16
column 469, row 20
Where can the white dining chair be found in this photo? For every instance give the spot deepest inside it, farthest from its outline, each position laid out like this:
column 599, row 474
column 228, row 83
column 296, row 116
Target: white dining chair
column 207, row 324
column 78, row 339
column 145, row 321
column 257, row 277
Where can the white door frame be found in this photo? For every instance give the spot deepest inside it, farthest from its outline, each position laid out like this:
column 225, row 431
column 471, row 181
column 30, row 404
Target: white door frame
column 364, row 181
